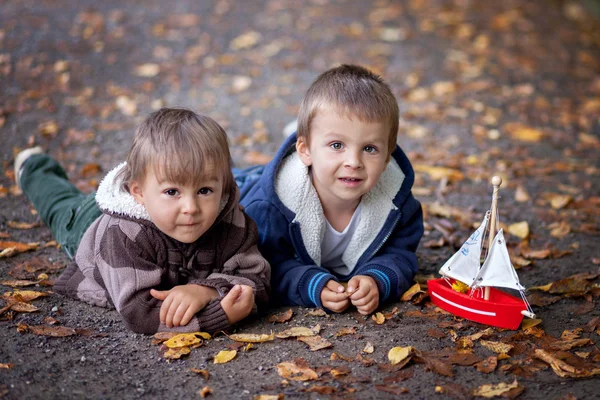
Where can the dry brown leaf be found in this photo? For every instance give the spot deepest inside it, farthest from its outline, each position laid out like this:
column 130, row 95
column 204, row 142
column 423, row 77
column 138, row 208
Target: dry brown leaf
column 369, row 348
column 501, row 389
column 205, row 391
column 346, row 331
column 176, row 353
column 18, row 283
column 563, row 369
column 497, row 347
column 398, row 354
column 519, row 229
column 90, row 169
column 484, row 333
column 559, row 230
column 378, row 318
column 54, row 331
column 22, row 225
column 281, row 317
column 183, row 340
column 147, row 70
column 438, row 173
column 411, row 292
column 295, row 372
column 269, row 397
column 315, row 342
column 488, row 365
column 224, row 356
column 571, row 334
column 521, row 194
column 25, row 295
column 529, row 323
column 299, row 331
column 202, row 372
column 19, row 306
column 245, row 41
column 569, row 344
column 252, row 337
column 319, row 312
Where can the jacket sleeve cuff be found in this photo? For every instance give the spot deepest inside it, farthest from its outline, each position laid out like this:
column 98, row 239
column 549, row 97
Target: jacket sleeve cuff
column 385, row 278
column 311, row 285
column 212, row 318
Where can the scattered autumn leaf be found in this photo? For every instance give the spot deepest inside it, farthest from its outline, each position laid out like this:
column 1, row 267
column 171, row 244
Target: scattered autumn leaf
column 346, row 331
column 225, row 356
column 500, row 389
column 315, row 342
column 205, row 391
column 183, row 340
column 54, row 331
column 297, row 370
column 252, row 337
column 299, row 331
column 378, row 318
column 519, row 229
column 396, row 355
column 497, row 347
column 176, row 353
column 202, row 372
column 369, row 349
column 281, row 317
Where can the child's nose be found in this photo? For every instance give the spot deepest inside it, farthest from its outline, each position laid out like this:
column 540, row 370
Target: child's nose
column 353, row 159
column 190, row 206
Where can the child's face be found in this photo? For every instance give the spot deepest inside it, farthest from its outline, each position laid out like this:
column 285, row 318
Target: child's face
column 183, row 212
column 347, row 157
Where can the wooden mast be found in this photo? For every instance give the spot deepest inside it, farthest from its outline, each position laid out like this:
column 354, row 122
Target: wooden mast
column 496, row 182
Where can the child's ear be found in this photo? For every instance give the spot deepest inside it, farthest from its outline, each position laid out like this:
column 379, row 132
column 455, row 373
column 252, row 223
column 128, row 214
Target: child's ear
column 135, row 189
column 303, row 151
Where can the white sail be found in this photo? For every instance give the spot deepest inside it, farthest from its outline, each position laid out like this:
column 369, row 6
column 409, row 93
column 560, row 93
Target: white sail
column 464, row 264
column 497, row 270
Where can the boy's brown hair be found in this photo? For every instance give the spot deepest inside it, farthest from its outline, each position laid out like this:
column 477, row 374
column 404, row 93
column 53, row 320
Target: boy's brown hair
column 179, row 144
column 352, row 91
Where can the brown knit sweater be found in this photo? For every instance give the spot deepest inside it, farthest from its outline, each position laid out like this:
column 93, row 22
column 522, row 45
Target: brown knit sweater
column 123, row 255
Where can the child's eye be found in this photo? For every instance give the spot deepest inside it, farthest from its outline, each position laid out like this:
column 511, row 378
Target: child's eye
column 336, row 146
column 205, row 190
column 371, row 149
column 171, row 192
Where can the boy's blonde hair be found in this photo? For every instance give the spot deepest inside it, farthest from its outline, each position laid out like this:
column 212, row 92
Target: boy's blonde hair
column 352, row 91
column 180, row 145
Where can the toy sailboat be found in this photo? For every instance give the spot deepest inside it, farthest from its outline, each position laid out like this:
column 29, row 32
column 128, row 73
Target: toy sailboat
column 480, row 300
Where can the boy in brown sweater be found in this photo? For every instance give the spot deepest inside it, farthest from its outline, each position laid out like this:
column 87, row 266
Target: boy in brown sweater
column 172, row 248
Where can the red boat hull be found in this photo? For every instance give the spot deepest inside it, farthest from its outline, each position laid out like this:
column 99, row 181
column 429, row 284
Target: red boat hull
column 502, row 309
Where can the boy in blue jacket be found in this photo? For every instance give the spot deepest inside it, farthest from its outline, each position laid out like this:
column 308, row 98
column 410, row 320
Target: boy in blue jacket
column 335, row 204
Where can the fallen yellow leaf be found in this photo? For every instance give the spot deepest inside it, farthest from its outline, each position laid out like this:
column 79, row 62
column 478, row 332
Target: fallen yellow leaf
column 295, row 372
column 225, row 356
column 378, row 318
column 183, row 340
column 176, row 353
column 369, row 349
column 315, row 342
column 398, row 354
column 299, row 331
column 497, row 347
column 495, row 390
column 519, row 229
column 252, row 337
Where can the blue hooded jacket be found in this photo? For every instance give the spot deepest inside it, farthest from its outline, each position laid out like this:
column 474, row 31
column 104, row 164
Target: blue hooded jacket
column 286, row 208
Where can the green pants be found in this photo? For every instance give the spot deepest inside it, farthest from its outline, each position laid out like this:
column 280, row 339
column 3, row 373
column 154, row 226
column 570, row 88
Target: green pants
column 63, row 208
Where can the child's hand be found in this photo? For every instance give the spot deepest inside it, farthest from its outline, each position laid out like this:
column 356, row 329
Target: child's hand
column 238, row 303
column 181, row 303
column 334, row 298
column 364, row 293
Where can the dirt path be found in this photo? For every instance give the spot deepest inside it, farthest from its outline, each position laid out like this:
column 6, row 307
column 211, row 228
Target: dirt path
column 509, row 88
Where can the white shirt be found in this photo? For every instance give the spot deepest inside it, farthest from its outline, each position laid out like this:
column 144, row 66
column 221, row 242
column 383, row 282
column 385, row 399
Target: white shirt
column 334, row 244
